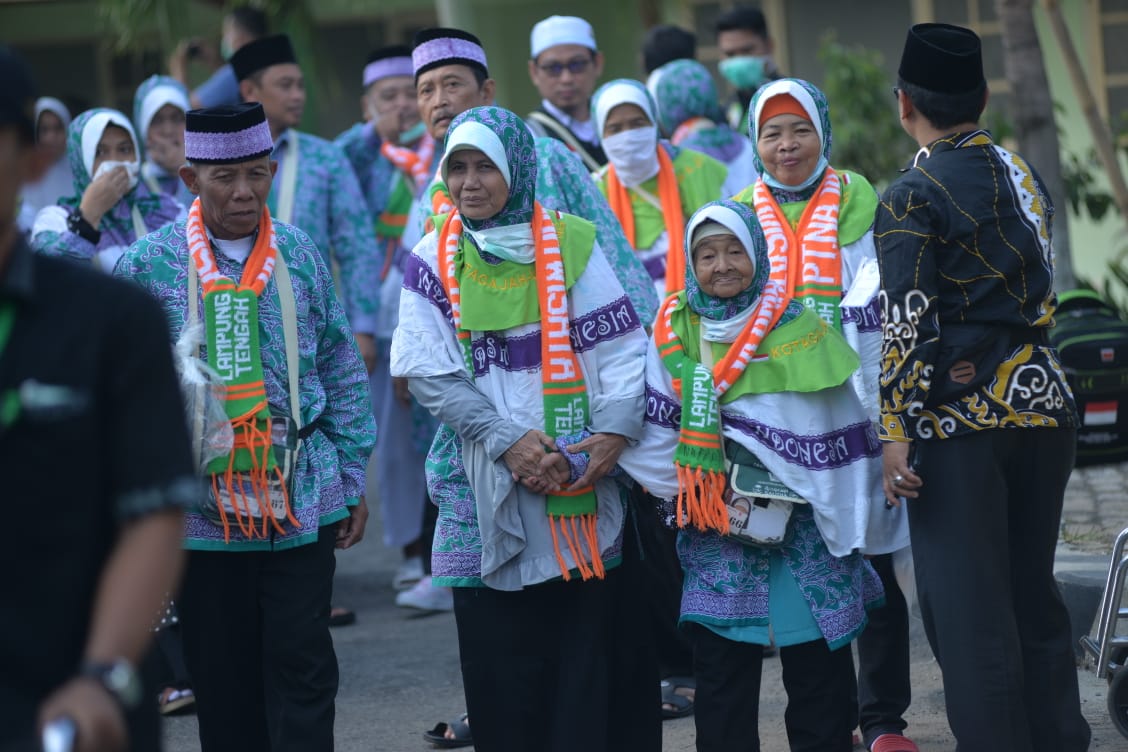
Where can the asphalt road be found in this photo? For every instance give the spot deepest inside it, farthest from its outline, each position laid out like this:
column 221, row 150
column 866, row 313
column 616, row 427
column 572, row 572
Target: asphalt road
column 399, row 672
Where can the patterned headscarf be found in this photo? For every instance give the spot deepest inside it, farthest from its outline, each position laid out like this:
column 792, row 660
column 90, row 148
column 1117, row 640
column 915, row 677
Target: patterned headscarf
column 81, row 146
column 811, row 98
column 683, row 90
column 504, row 135
column 739, row 220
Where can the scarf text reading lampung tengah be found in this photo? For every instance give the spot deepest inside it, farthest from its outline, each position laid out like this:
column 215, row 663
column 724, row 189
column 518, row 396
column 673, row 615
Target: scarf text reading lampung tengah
column 231, row 320
column 620, row 201
column 571, row 514
column 806, row 261
column 699, row 456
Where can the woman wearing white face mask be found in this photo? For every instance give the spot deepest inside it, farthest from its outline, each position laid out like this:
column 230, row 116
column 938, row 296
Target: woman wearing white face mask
column 652, row 187
column 109, row 209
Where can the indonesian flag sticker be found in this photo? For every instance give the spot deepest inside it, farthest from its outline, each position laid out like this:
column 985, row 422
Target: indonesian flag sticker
column 1101, row 413
column 1108, row 354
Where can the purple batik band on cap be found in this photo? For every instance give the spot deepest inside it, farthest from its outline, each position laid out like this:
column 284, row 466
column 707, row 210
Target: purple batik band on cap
column 438, row 50
column 238, row 146
column 386, row 68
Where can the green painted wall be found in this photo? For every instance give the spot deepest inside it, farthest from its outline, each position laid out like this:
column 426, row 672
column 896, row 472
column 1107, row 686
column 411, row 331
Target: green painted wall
column 1093, row 243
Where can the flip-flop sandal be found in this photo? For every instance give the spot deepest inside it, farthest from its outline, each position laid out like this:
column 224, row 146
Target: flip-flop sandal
column 460, row 729
column 176, row 701
column 680, row 705
column 342, row 618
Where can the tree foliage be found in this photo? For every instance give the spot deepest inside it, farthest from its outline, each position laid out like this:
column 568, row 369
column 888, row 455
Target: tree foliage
column 867, row 135
column 135, row 25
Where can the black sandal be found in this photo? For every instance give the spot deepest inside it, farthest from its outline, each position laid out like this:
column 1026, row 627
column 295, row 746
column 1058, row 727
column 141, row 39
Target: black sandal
column 460, row 729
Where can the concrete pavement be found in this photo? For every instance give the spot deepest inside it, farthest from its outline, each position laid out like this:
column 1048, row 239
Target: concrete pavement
column 399, row 673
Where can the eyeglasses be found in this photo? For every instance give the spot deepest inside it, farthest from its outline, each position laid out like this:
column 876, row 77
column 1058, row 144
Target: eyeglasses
column 575, row 67
column 896, row 92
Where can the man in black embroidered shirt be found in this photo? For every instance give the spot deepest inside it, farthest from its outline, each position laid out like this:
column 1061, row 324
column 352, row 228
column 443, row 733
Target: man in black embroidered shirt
column 96, row 466
column 564, row 66
column 978, row 420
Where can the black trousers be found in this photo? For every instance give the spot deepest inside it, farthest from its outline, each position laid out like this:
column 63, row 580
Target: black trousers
column 562, row 666
column 257, row 644
column 820, row 689
column 984, row 532
column 662, row 588
column 884, row 689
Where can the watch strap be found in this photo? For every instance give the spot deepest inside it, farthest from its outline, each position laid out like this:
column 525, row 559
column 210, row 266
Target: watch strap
column 79, row 226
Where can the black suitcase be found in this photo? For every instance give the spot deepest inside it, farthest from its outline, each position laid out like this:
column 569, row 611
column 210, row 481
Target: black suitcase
column 1092, row 341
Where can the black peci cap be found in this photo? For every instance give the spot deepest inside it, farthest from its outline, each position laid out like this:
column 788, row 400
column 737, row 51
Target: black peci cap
column 942, row 58
column 17, row 93
column 261, row 54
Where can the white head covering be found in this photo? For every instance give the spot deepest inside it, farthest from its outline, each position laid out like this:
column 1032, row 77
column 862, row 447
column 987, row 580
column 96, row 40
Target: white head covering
column 158, row 98
column 50, row 104
column 622, row 92
column 557, row 30
column 801, row 95
column 725, row 330
column 474, row 135
column 92, row 134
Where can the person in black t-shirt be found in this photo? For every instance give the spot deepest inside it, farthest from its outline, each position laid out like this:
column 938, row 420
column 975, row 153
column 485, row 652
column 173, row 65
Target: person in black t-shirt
column 96, row 466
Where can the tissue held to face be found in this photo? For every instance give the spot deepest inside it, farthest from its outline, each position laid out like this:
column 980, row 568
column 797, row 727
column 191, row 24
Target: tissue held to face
column 115, row 149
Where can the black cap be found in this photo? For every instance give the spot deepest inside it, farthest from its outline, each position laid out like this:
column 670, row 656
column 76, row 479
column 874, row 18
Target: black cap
column 395, row 50
column 261, row 54
column 942, row 58
column 439, row 46
column 17, row 93
column 227, row 134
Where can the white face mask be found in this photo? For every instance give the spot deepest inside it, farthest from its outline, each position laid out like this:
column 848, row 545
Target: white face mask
column 634, row 154
column 133, row 168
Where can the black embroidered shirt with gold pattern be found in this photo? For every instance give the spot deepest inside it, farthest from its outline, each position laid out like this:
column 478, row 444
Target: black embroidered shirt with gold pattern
column 965, row 251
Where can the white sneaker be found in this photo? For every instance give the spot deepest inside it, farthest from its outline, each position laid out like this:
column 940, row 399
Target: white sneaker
column 426, row 597
column 410, row 571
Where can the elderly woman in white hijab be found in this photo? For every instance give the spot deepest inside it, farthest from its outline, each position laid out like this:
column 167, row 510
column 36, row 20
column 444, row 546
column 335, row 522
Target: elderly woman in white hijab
column 512, row 332
column 51, row 120
column 652, row 187
column 109, row 209
column 159, row 110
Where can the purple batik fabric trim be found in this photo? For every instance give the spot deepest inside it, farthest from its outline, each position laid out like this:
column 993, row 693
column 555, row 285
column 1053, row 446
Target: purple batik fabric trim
column 824, row 451
column 661, row 410
column 211, row 147
column 447, row 49
column 386, row 68
column 867, row 318
column 418, row 278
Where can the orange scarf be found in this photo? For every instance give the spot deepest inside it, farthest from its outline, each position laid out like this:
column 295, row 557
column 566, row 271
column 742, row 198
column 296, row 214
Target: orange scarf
column 619, row 199
column 699, row 458
column 806, row 260
column 416, row 164
column 690, row 127
column 572, row 515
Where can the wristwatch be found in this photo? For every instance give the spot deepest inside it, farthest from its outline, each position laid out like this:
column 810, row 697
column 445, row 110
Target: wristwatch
column 77, row 224
column 119, row 678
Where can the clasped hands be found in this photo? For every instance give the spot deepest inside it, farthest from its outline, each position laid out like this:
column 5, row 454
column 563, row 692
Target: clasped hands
column 538, row 465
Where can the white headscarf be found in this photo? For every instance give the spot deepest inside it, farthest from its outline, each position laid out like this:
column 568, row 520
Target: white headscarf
column 92, row 134
column 724, row 330
column 510, row 242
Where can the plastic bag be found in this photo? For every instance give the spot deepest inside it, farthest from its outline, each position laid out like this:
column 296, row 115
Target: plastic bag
column 204, row 398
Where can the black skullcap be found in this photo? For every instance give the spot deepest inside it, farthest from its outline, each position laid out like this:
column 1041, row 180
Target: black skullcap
column 942, row 58
column 17, row 93
column 227, row 134
column 433, row 48
column 261, row 54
